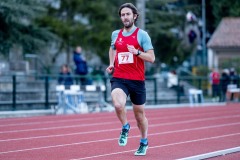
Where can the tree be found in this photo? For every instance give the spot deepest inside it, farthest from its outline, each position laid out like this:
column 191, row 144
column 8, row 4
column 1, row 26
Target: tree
column 224, row 8
column 90, row 25
column 17, row 26
column 165, row 24
column 83, row 22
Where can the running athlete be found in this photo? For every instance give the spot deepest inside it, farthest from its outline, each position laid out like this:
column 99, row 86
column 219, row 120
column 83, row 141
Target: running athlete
column 130, row 47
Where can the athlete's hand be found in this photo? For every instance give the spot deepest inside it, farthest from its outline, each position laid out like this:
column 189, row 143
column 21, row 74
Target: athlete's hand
column 132, row 49
column 110, row 69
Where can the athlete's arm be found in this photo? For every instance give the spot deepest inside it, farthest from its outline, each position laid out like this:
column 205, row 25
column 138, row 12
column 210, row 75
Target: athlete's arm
column 148, row 56
column 145, row 42
column 112, row 52
column 111, row 60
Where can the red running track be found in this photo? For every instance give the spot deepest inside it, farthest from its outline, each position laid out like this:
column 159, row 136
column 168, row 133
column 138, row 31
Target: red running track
column 174, row 133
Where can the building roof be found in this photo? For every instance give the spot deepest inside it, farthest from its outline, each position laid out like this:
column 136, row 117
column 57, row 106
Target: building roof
column 227, row 34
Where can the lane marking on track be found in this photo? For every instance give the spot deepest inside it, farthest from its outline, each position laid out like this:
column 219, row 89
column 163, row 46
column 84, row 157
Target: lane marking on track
column 105, row 123
column 56, row 121
column 99, row 131
column 90, row 118
column 166, row 145
column 104, row 140
column 213, row 154
column 116, row 129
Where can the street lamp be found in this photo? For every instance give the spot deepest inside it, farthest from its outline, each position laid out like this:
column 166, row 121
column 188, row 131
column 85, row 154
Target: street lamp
column 204, row 55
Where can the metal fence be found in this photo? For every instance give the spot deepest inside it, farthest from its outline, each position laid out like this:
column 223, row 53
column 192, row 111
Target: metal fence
column 39, row 92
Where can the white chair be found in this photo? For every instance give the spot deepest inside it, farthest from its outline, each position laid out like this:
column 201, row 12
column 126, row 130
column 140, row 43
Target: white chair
column 75, row 88
column 69, row 99
column 195, row 96
column 60, row 88
column 59, row 91
column 95, row 88
column 92, row 88
column 101, row 103
column 232, row 90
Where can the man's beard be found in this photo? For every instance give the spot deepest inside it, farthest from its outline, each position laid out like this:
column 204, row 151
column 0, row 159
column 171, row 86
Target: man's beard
column 130, row 24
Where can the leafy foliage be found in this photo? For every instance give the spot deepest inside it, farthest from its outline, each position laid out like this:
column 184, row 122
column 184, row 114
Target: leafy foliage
column 17, row 25
column 224, row 8
column 83, row 22
column 89, row 23
column 165, row 23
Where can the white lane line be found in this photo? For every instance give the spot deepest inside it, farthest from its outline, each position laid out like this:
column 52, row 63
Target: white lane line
column 213, row 154
column 85, row 119
column 184, row 105
column 105, row 123
column 160, row 146
column 56, row 121
column 37, row 118
column 53, row 128
column 104, row 140
column 98, row 131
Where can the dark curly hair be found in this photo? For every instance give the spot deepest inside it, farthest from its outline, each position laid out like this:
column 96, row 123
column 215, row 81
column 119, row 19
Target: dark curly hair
column 131, row 6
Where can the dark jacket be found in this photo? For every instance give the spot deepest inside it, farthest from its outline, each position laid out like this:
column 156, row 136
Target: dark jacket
column 65, row 79
column 234, row 78
column 225, row 81
column 81, row 65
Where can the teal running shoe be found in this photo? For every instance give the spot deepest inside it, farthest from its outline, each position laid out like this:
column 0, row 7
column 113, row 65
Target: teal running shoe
column 142, row 150
column 122, row 141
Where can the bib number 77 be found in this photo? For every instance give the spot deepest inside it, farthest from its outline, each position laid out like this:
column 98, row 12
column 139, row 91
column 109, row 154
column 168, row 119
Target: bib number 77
column 125, row 58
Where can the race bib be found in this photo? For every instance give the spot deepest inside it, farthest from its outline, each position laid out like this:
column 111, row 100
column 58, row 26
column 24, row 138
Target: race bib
column 125, row 58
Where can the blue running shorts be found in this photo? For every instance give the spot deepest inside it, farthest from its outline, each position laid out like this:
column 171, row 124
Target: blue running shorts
column 135, row 88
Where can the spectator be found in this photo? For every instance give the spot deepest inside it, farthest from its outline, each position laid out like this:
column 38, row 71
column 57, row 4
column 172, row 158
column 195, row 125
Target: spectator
column 225, row 81
column 65, row 77
column 215, row 82
column 234, row 77
column 81, row 65
column 234, row 80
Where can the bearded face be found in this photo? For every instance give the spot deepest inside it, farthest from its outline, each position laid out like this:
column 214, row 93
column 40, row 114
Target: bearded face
column 127, row 17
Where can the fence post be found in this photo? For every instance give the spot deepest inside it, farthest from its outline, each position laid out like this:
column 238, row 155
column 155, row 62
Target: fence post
column 105, row 83
column 155, row 90
column 47, row 92
column 178, row 91
column 14, row 92
column 199, row 83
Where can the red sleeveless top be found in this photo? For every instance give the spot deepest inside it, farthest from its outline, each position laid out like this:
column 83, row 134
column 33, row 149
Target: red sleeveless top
column 126, row 64
column 215, row 78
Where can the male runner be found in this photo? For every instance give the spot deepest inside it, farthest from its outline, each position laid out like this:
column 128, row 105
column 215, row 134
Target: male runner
column 130, row 47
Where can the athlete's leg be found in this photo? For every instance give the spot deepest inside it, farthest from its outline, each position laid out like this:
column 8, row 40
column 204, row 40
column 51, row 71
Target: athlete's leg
column 142, row 124
column 141, row 119
column 119, row 99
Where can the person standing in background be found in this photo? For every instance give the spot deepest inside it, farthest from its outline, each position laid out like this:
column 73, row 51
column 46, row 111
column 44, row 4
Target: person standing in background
column 225, row 81
column 81, row 65
column 215, row 82
column 234, row 77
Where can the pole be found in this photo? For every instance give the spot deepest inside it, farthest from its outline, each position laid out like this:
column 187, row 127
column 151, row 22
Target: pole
column 47, row 92
column 204, row 55
column 141, row 19
column 14, row 84
column 155, row 90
